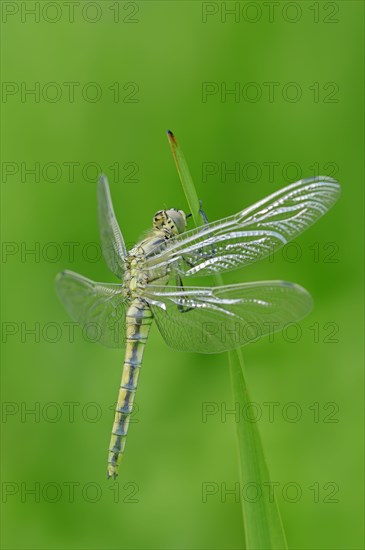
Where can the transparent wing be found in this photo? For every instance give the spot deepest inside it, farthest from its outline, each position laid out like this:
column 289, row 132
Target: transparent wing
column 99, row 307
column 251, row 234
column 213, row 320
column 112, row 242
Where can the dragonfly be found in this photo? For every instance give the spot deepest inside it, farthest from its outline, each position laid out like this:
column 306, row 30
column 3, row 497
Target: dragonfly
column 191, row 318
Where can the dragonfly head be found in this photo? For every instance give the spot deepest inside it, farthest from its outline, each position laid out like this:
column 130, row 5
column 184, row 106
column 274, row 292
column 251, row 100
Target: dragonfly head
column 170, row 221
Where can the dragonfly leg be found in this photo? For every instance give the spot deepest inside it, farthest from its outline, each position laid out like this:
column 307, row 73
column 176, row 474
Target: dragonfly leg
column 203, row 214
column 181, row 308
column 212, row 252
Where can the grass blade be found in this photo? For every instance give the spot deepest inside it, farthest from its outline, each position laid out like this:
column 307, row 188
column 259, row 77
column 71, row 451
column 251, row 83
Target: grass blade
column 186, row 180
column 261, row 520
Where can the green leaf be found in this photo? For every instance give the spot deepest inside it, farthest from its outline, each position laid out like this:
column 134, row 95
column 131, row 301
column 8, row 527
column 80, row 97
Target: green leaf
column 261, row 520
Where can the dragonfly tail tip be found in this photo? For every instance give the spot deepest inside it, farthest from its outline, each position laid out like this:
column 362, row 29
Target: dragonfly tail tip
column 112, row 474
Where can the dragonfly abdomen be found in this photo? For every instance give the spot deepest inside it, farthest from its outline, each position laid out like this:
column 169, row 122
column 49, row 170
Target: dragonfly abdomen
column 138, row 322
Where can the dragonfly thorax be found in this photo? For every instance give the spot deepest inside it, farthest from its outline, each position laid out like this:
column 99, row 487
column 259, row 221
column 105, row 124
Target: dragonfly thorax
column 135, row 278
column 171, row 222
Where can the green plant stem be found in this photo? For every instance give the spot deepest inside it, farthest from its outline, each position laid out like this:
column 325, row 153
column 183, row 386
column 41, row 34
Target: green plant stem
column 261, row 519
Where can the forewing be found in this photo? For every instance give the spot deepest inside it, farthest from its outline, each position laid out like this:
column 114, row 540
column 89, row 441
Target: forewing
column 100, row 308
column 213, row 320
column 112, row 242
column 251, row 234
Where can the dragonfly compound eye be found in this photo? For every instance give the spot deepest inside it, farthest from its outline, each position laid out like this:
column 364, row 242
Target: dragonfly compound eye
column 178, row 219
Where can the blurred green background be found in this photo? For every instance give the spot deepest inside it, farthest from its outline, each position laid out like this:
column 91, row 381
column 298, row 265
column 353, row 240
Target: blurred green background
column 137, row 69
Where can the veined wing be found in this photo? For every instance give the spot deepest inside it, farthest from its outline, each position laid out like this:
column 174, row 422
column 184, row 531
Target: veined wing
column 112, row 241
column 213, row 320
column 251, row 234
column 99, row 307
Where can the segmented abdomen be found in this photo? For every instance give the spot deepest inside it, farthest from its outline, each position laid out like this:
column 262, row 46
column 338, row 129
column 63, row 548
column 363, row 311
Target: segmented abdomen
column 138, row 321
